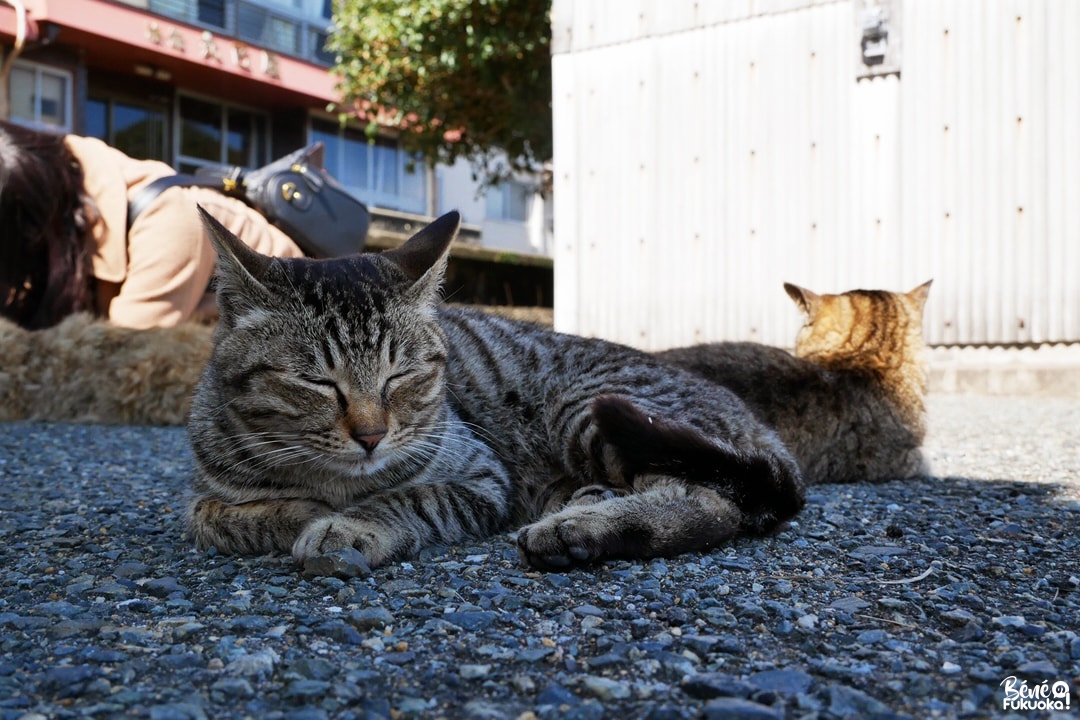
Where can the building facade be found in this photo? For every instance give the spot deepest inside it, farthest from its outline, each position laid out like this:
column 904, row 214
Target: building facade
column 196, row 82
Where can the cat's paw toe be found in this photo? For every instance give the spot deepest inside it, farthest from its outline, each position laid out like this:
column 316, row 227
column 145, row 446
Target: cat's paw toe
column 550, row 562
column 557, row 542
column 578, row 553
column 316, row 539
column 329, row 534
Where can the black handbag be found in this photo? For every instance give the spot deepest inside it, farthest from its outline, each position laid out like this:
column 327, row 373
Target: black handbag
column 294, row 193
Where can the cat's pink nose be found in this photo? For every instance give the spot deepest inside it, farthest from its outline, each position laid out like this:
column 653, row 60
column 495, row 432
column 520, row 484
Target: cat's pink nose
column 368, row 437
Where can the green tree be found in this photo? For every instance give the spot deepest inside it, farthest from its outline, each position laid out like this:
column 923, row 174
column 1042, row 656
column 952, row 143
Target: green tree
column 458, row 78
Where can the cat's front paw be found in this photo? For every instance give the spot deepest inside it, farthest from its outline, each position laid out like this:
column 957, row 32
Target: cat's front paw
column 327, row 535
column 576, row 535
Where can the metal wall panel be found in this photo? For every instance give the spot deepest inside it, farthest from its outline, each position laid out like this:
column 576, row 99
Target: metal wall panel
column 707, row 152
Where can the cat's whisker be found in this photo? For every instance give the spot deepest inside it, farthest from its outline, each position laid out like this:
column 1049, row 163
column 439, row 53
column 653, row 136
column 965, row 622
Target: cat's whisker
column 457, row 438
column 478, row 430
column 275, row 455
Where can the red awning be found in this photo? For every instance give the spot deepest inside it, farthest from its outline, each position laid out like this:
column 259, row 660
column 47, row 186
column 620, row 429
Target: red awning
column 125, row 39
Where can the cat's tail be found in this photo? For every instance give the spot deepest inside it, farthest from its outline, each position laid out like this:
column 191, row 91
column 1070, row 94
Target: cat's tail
column 763, row 482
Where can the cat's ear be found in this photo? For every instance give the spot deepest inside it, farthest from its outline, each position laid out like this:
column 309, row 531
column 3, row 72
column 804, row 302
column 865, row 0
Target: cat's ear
column 423, row 256
column 919, row 294
column 807, row 300
column 241, row 270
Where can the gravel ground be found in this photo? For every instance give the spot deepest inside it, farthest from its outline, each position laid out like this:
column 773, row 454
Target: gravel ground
column 909, row 599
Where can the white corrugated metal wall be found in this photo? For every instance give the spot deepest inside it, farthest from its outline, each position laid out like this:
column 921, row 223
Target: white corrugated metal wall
column 706, row 152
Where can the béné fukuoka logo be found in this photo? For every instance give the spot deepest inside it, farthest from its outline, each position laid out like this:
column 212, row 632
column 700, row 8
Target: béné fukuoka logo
column 1044, row 696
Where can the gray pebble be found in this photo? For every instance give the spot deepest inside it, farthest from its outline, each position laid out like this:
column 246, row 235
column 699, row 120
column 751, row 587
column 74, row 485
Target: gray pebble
column 343, row 563
column 474, row 672
column 470, row 620
column 369, row 618
column 848, row 702
column 177, row 711
column 606, row 689
column 787, row 682
column 705, row 686
column 730, row 708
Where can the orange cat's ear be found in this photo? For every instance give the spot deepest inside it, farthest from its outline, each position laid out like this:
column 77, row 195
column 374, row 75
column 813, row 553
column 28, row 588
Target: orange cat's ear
column 807, row 300
column 920, row 293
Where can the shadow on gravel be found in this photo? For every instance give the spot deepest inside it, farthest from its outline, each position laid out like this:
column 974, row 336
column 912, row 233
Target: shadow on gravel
column 905, row 599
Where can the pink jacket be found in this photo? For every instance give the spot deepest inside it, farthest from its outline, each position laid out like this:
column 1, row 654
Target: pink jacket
column 157, row 274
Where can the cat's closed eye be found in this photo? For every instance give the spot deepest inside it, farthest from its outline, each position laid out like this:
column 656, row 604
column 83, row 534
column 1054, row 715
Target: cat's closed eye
column 398, row 376
column 324, row 384
column 397, row 381
column 321, row 382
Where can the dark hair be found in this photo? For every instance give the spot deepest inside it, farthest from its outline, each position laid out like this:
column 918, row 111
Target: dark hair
column 45, row 223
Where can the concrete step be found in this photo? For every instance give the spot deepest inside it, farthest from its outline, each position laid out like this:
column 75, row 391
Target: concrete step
column 1040, row 371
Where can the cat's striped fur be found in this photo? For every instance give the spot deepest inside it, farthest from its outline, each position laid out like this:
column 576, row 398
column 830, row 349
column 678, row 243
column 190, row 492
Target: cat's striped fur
column 343, row 406
column 851, row 403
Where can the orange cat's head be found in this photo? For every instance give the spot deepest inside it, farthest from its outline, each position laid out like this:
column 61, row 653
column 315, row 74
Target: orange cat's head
column 873, row 329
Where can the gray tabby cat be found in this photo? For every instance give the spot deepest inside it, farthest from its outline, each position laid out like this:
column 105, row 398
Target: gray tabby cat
column 342, row 406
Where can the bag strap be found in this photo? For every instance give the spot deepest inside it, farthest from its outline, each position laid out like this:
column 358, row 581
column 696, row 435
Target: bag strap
column 149, row 192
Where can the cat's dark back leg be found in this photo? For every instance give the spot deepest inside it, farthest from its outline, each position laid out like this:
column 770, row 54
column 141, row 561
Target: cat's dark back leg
column 763, row 481
column 690, row 492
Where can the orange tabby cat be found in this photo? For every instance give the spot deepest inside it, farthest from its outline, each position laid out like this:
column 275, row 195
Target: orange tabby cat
column 850, row 403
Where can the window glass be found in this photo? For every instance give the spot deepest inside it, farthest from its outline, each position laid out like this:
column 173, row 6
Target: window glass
column 53, row 99
column 318, row 42
column 283, row 35
column 347, row 153
column 387, row 160
column 212, row 12
column 238, row 139
column 251, row 22
column 508, row 201
column 327, row 134
column 138, row 131
column 493, row 203
column 39, row 96
column 375, row 172
column 356, row 161
column 517, row 201
column 212, row 133
column 413, row 185
column 97, row 119
column 23, row 92
column 174, row 8
column 200, row 129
